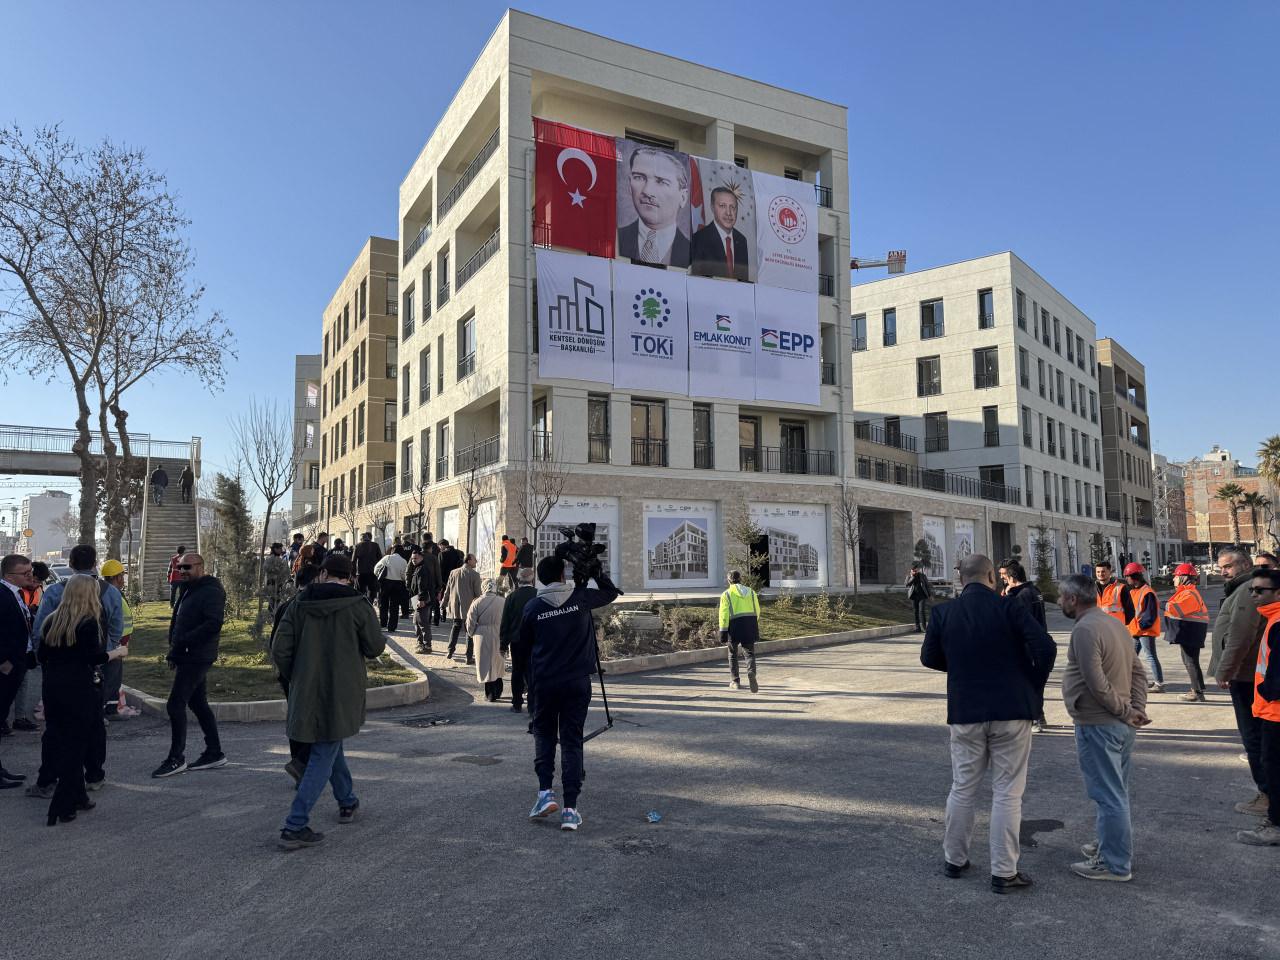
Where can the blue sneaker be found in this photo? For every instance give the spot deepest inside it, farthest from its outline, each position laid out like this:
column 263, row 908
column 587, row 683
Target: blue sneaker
column 545, row 805
column 571, row 819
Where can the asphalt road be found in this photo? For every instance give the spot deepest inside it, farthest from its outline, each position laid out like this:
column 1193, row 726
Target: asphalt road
column 804, row 821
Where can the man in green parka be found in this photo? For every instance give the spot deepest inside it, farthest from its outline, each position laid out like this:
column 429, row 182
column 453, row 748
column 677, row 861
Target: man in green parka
column 320, row 648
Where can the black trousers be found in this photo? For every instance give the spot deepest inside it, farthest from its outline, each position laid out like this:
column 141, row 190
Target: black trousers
column 560, row 708
column 920, row 606
column 422, row 625
column 520, row 678
column 368, row 585
column 186, row 494
column 1269, row 735
column 392, row 599
column 748, row 650
column 173, row 594
column 453, row 640
column 1250, row 728
column 9, row 684
column 73, row 729
column 189, row 691
column 1191, row 660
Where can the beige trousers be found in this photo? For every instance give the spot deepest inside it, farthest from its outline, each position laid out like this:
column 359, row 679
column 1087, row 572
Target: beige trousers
column 1005, row 747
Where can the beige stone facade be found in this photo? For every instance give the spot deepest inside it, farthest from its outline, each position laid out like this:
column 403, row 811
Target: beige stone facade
column 305, row 503
column 1126, row 448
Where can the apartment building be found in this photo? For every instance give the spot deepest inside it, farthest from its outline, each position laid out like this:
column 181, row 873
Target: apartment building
column 304, row 508
column 1169, row 507
column 360, row 406
column 1126, row 447
column 1207, row 517
column 978, row 381
column 44, row 514
column 478, row 420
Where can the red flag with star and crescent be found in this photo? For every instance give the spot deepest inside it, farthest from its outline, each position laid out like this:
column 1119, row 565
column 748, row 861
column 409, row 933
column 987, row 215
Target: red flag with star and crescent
column 574, row 188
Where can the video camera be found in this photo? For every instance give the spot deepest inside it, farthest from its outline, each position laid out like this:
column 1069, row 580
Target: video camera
column 580, row 551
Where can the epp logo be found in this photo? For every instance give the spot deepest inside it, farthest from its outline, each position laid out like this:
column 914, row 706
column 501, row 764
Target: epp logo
column 786, row 340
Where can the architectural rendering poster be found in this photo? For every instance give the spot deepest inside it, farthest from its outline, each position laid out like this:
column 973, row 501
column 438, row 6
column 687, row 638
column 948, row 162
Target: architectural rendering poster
column 653, row 205
column 722, row 338
column 935, row 538
column 786, row 233
column 449, row 526
column 575, row 317
column 571, row 511
column 797, row 535
column 482, row 538
column 964, row 541
column 651, row 329
column 679, row 542
column 1051, row 545
column 788, row 349
column 723, row 204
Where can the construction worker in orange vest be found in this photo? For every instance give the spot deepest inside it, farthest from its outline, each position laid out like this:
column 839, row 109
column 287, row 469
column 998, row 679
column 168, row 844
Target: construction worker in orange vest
column 1265, row 593
column 1113, row 595
column 1144, row 626
column 1186, row 623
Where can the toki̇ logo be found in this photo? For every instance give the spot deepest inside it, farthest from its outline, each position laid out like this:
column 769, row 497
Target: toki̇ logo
column 786, row 341
column 723, row 323
column 788, row 219
column 650, row 307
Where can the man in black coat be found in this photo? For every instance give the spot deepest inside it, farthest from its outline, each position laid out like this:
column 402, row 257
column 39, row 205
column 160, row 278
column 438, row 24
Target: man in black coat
column 366, row 556
column 524, row 556
column 997, row 659
column 451, row 558
column 719, row 249
column 15, row 637
column 194, row 633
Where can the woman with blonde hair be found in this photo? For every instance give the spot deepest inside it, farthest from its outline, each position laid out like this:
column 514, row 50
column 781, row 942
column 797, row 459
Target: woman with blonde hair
column 70, row 648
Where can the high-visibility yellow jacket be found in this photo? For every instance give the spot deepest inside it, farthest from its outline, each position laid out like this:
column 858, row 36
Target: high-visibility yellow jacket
column 740, row 613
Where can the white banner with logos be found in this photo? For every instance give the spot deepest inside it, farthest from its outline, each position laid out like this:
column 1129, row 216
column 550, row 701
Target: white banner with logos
column 651, row 329
column 449, row 526
column 680, row 543
column 934, row 556
column 722, row 338
column 788, row 349
column 482, row 538
column 797, row 535
column 575, row 317
column 964, row 544
column 572, row 510
column 786, row 233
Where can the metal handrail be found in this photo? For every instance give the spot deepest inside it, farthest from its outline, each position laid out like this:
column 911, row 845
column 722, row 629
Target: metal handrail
column 787, row 460
column 828, row 373
column 704, row 455
column 479, row 454
column 382, row 490
column 416, row 244
column 479, row 258
column 875, row 433
column 468, row 174
column 939, row 481
column 598, row 447
column 648, row 453
column 466, row 366
column 823, row 194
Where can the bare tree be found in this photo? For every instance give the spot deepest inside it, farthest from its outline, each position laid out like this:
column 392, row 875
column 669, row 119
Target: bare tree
column 264, row 441
column 474, row 488
column 849, row 528
column 742, row 533
column 422, row 499
column 547, row 473
column 349, row 513
column 379, row 515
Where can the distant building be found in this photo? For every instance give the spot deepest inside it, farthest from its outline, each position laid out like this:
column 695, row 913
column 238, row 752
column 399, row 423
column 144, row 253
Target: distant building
column 1208, row 519
column 304, row 507
column 1126, row 448
column 43, row 514
column 1169, row 502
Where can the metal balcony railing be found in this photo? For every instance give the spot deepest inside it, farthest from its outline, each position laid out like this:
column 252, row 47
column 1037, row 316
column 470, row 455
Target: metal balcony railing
column 406, row 327
column 936, row 444
column 704, row 455
column 468, row 174
column 542, row 446
column 393, row 308
column 787, row 460
column 859, row 344
column 442, row 293
column 874, row 433
column 823, row 194
column 598, row 447
column 382, row 490
column 424, row 392
column 479, row 258
column 826, row 285
column 1026, row 440
column 938, row 481
column 828, row 373
column 406, row 481
column 991, row 438
column 416, row 244
column 1113, row 515
column 389, row 433
column 648, row 453
column 466, row 366
column 311, row 402
column 931, row 331
column 1144, row 521
column 983, row 381
column 479, row 454
column 442, row 469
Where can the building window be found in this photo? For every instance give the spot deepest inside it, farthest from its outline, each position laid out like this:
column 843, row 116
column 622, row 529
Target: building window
column 1044, row 327
column 890, row 318
column 1093, row 363
column 439, row 364
column 393, row 357
column 1026, row 427
column 1040, row 379
column 1071, row 346
column 928, row 376
column 740, row 161
column 749, row 453
column 1079, row 501
column 1097, row 456
column 1020, row 299
column 1062, row 438
column 936, row 437
column 426, row 293
column 346, row 324
column 992, row 478
column 389, row 422
column 931, row 320
column 1075, row 445
column 649, row 140
column 598, row 441
column 1030, row 477
column 986, row 310
column 313, row 476
column 404, row 392
column 1062, row 400
column 1066, row 495
column 424, row 375
column 1057, row 337
column 1052, row 434
column 1035, row 319
column 407, row 320
column 442, row 450
column 360, row 424
column 1074, row 408
column 326, row 348
column 649, row 433
column 1048, row 490
column 406, row 465
column 791, row 173
column 703, row 437
column 860, row 332
column 309, row 439
column 466, row 347
column 1093, row 407
column 990, row 426
column 364, row 300
column 986, row 368
column 1024, row 368
column 1088, row 500
column 1079, row 351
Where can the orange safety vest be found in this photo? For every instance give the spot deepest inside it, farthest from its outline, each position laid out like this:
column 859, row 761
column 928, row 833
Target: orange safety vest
column 32, row 596
column 1187, row 604
column 1110, row 602
column 1139, row 595
column 1265, row 709
column 508, row 554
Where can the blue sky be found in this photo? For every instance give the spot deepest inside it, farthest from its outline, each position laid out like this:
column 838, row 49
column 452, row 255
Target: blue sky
column 1128, row 152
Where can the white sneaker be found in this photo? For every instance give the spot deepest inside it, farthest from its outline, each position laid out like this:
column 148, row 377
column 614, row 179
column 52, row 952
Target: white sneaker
column 734, row 685
column 1095, row 869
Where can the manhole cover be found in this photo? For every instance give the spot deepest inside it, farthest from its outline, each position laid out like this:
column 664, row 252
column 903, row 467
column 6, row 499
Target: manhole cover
column 478, row 761
column 425, row 720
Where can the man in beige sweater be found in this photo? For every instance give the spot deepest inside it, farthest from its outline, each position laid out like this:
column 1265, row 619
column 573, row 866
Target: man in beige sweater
column 1104, row 690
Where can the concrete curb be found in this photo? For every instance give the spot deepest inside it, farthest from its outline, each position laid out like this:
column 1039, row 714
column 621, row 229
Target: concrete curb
column 679, row 658
column 253, row 711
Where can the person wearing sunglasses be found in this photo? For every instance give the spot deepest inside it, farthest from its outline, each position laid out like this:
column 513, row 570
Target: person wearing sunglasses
column 194, row 633
column 1264, row 590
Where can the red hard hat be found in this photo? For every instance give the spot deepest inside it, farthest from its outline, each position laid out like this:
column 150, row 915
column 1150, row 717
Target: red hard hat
column 1184, row 570
column 1132, row 568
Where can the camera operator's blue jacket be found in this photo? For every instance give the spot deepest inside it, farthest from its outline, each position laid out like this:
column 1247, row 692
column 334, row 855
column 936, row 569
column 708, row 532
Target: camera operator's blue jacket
column 558, row 628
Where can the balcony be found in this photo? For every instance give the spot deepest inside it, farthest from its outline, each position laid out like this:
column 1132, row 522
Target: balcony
column 873, row 433
column 472, row 170
column 1113, row 515
column 828, row 373
column 406, row 481
column 311, row 402
column 598, row 446
column 406, row 327
column 479, row 258
column 393, row 308
column 991, row 438
column 466, row 366
column 1147, row 522
column 785, row 460
column 648, row 453
column 480, row 454
column 704, row 455
column 826, row 285
column 823, row 194
column 938, row 481
column 424, row 392
column 383, row 490
column 442, row 293
column 937, row 444
column 542, row 447
column 415, row 245
column 985, row 381
column 442, row 469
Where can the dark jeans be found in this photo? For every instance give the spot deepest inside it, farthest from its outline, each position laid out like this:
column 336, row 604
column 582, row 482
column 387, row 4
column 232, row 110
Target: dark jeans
column 1191, row 660
column 1250, row 728
column 157, row 495
column 509, row 575
column 9, row 684
column 920, row 607
column 520, row 679
column 1270, row 737
column 173, row 594
column 453, row 640
column 189, row 691
column 749, row 650
column 391, row 600
column 186, row 494
column 561, row 708
column 422, row 625
column 112, row 677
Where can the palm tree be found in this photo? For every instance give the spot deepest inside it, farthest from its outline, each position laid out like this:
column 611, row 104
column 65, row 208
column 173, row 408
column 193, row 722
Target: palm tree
column 1254, row 502
column 1269, row 470
column 1231, row 494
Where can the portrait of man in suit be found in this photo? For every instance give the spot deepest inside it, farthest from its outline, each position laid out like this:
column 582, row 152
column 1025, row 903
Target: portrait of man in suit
column 719, row 249
column 658, row 191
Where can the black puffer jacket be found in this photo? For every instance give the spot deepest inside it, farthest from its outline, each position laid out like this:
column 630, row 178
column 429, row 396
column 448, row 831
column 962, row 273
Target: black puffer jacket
column 196, row 626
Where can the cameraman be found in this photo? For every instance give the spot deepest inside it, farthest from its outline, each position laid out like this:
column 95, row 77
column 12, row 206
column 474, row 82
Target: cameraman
column 558, row 628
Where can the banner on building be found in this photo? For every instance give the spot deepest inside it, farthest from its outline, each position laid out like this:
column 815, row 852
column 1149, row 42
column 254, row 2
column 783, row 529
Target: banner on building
column 722, row 339
column 786, row 233
column 964, row 543
column 723, row 215
column 680, row 542
column 448, row 525
column 788, row 349
column 575, row 317
column 482, row 538
column 653, row 213
column 575, row 188
column 651, row 329
column 797, row 535
column 933, row 548
column 572, row 510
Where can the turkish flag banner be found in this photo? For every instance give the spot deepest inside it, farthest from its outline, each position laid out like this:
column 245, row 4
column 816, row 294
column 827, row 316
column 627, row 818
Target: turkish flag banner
column 574, row 197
